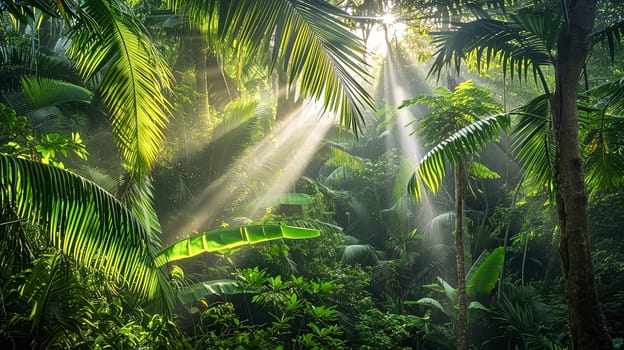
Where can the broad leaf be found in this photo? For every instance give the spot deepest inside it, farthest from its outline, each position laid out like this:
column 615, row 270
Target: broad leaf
column 230, row 237
column 485, row 271
column 433, row 303
column 296, row 199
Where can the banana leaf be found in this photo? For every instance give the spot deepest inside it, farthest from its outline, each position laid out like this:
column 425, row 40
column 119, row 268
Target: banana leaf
column 484, row 273
column 230, row 237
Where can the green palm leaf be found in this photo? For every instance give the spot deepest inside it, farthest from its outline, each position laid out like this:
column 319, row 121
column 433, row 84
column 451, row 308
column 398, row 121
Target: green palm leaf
column 82, row 221
column 533, row 143
column 230, row 237
column 307, row 39
column 612, row 35
column 134, row 79
column 524, row 44
column 44, row 92
column 466, row 141
column 601, row 132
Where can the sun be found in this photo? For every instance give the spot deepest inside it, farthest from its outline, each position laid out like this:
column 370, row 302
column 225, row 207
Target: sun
column 388, row 19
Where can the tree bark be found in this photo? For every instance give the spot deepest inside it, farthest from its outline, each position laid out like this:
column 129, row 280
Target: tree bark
column 587, row 322
column 462, row 309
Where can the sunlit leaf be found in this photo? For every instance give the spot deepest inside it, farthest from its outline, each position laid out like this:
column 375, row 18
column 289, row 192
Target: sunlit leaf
column 231, row 237
column 484, row 272
column 307, row 39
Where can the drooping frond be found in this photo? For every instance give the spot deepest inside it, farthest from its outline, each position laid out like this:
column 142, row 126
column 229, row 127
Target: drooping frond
column 231, row 237
column 610, row 96
column 44, row 92
column 307, row 39
column 134, row 79
column 17, row 61
column 525, row 44
column 466, row 141
column 138, row 197
column 67, row 9
column 601, row 133
column 611, row 36
column 437, row 10
column 82, row 221
column 533, row 144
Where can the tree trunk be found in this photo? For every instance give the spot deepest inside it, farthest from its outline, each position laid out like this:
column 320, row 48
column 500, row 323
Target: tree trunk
column 587, row 322
column 462, row 309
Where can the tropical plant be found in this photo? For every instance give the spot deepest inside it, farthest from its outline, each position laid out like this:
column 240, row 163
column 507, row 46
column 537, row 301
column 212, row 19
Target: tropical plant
column 533, row 39
column 97, row 233
column 480, row 281
column 450, row 111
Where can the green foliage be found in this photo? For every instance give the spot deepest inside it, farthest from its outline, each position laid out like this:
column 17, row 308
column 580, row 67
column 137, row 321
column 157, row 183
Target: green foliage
column 485, row 271
column 297, row 316
column 230, row 237
column 18, row 138
column 524, row 44
column 114, row 242
column 113, row 327
column 527, row 321
column 450, row 111
column 386, row 331
column 134, row 79
column 454, row 119
column 322, row 66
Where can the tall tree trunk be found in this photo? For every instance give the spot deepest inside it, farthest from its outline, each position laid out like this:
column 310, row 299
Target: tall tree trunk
column 462, row 310
column 587, row 322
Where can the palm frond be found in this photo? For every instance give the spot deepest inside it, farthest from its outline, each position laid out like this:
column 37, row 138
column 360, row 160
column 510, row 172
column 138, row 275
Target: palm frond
column 137, row 196
column 444, row 9
column 67, row 9
column 533, row 143
column 466, row 141
column 520, row 46
column 610, row 96
column 611, row 35
column 43, row 92
column 602, row 125
column 82, row 221
column 308, row 39
column 17, row 61
column 134, row 79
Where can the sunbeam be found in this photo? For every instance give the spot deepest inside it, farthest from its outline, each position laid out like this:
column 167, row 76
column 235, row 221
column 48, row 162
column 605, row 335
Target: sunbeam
column 397, row 88
column 270, row 168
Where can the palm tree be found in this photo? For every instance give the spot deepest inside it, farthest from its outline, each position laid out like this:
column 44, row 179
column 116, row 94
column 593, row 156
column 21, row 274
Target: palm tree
column 110, row 46
column 449, row 112
column 90, row 225
column 531, row 41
